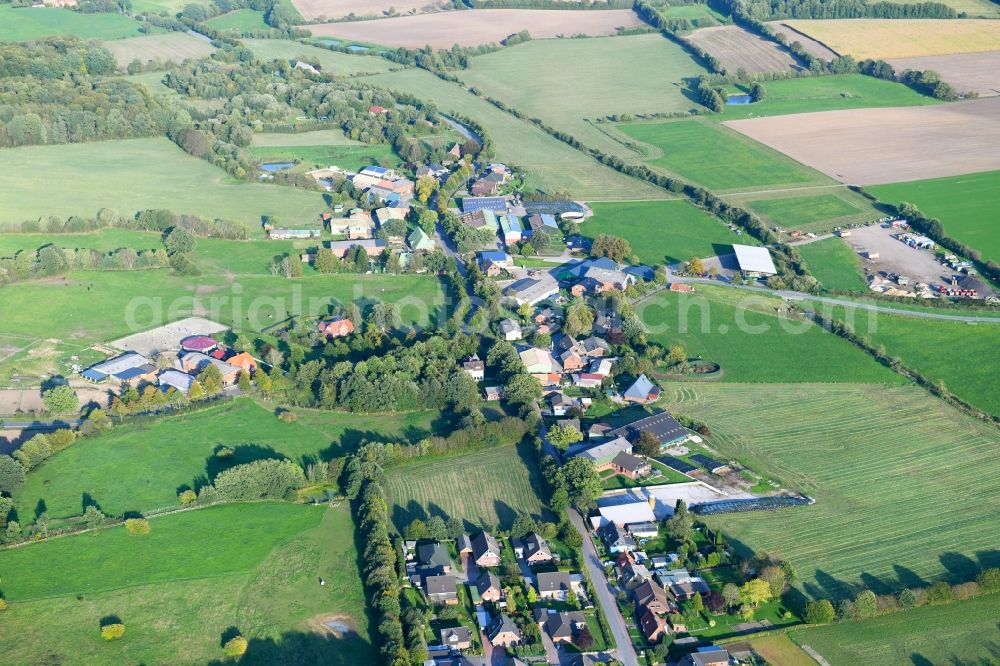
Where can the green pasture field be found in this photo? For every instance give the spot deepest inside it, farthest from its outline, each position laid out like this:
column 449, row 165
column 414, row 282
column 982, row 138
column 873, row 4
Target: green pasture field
column 345, row 157
column 26, row 23
column 136, row 174
column 96, row 306
column 906, row 487
column 179, row 589
column 752, row 341
column 328, row 137
column 953, row 352
column 171, row 47
column 974, row 8
column 133, row 469
column 779, row 649
column 964, row 632
column 834, row 264
column 716, row 157
column 662, row 231
column 240, row 20
column 332, row 62
column 700, row 14
column 551, row 165
column 483, row 488
column 815, row 212
column 826, row 93
column 584, row 78
column 964, row 204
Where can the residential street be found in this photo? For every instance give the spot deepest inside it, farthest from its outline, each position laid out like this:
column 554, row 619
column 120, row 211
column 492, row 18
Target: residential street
column 605, row 596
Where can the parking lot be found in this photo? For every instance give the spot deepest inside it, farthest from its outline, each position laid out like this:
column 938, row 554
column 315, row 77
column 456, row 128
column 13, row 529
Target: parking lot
column 896, row 256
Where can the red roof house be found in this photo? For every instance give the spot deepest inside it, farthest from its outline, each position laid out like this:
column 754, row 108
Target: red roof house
column 336, row 328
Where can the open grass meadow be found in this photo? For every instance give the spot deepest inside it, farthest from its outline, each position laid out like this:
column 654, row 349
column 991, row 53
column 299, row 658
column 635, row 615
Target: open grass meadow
column 826, row 93
column 26, row 23
column 240, row 20
column 135, row 469
column 331, row 62
column 136, row 174
column 171, row 47
column 583, row 78
column 662, row 231
column 321, row 148
column 964, row 632
column 196, row 577
column 551, row 165
column 753, row 340
column 964, row 204
column 100, row 306
column 818, row 213
column 483, row 488
column 717, row 157
column 907, row 488
column 952, row 352
column 779, row 649
column 834, row 264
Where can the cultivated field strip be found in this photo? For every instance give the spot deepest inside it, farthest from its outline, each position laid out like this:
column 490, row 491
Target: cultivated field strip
column 737, row 48
column 482, row 488
column 172, row 47
column 900, row 479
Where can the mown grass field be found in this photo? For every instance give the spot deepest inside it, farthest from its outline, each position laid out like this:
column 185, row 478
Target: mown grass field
column 100, row 306
column 26, row 23
column 157, row 6
column 551, row 165
column 141, row 467
column 779, row 649
column 826, row 93
column 953, row 352
column 811, row 212
column 321, row 148
column 136, row 174
column 716, row 157
column 171, row 47
column 752, row 341
column 583, row 78
column 178, row 590
column 483, row 488
column 662, row 231
column 964, row 632
column 702, row 15
column 902, row 38
column 906, row 487
column 964, row 204
column 332, row 62
column 834, row 264
column 240, row 20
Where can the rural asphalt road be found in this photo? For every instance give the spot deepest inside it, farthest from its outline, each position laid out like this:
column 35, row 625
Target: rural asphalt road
column 605, row 596
column 36, row 425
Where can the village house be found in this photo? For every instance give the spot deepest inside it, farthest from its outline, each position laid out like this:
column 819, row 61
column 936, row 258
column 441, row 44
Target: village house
column 503, row 632
column 560, row 626
column 560, row 403
column 651, row 596
column 587, row 380
column 488, row 586
column 682, row 585
column 337, row 327
column 535, row 550
column 419, row 241
column 383, row 215
column 605, row 453
column 433, row 555
column 571, row 360
column 244, row 361
column 129, row 369
column 194, row 362
column 646, row 530
column 594, row 347
column 475, row 367
column 539, row 363
column 711, row 655
column 493, row 393
column 511, row 330
column 175, row 379
column 554, row 585
column 441, row 590
column 599, row 276
column 485, row 550
column 495, row 262
column 509, row 229
column 661, row 425
column 495, row 204
column 610, row 326
column 479, row 219
column 642, row 391
column 630, row 466
column 598, row 431
column 456, row 638
column 532, row 290
column 374, row 247
column 463, row 544
column 616, row 538
column 359, row 225
column 487, row 186
column 543, row 224
column 653, row 626
column 634, row 574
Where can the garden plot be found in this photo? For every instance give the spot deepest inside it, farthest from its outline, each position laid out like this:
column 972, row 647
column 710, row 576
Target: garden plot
column 873, row 146
column 737, row 49
column 977, row 73
column 479, row 26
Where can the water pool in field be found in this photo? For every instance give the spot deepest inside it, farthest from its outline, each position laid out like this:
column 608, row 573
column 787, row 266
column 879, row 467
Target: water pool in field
column 271, row 167
column 739, row 100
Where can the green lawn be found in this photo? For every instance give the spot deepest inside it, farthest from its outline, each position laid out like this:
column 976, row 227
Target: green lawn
column 483, row 488
column 953, row 352
column 136, row 174
column 662, row 231
column 826, row 93
column 834, row 264
column 964, row 204
column 158, row 6
column 964, row 632
column 799, row 212
column 584, row 78
column 179, row 589
column 142, row 467
column 906, row 487
column 752, row 342
column 716, row 157
column 550, row 164
column 98, row 306
column 26, row 23
column 241, row 20
column 332, row 62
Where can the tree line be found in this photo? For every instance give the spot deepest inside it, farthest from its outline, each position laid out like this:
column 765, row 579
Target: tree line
column 767, row 10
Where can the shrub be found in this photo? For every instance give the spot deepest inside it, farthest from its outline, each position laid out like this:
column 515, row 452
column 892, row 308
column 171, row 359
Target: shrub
column 819, row 612
column 989, row 580
column 188, row 497
column 236, row 646
column 938, row 593
column 3, row 604
column 112, row 632
column 261, row 479
column 288, row 417
column 964, row 591
column 137, row 526
column 908, row 599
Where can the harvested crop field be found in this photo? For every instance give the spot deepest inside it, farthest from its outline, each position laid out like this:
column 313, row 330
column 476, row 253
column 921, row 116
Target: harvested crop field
column 874, row 146
column 811, row 46
column 902, row 38
column 334, row 9
column 734, row 47
column 966, row 72
column 173, row 47
column 479, row 26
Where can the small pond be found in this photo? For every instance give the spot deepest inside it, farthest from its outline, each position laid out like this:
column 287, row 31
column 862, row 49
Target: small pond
column 738, row 100
column 357, row 49
column 271, row 167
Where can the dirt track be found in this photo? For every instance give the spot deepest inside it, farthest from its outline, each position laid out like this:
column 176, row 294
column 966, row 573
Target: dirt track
column 873, row 146
column 478, row 26
column 966, row 72
column 736, row 48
